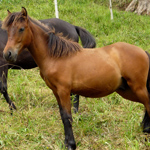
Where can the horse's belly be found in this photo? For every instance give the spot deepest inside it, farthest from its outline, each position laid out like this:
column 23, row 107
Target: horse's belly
column 96, row 82
column 97, row 87
column 93, row 93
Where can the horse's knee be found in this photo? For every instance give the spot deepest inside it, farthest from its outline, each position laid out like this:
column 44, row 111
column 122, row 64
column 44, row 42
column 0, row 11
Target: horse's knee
column 3, row 80
column 3, row 90
column 3, row 86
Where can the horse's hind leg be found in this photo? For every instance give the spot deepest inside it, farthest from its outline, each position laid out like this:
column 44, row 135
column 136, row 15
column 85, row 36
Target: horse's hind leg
column 143, row 97
column 146, row 119
column 75, row 100
column 138, row 94
column 146, row 123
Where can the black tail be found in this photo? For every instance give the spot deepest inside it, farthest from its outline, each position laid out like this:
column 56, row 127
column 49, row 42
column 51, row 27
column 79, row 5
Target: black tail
column 86, row 38
column 148, row 78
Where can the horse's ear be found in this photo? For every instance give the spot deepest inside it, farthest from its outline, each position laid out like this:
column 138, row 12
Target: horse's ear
column 8, row 12
column 24, row 12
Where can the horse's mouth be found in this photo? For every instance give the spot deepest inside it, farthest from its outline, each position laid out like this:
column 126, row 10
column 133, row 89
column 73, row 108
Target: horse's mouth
column 10, row 56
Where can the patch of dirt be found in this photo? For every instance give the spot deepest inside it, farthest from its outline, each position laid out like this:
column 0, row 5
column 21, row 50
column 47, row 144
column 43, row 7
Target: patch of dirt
column 121, row 4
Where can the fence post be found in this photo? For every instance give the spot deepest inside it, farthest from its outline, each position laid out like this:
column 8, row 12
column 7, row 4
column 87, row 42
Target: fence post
column 111, row 12
column 56, row 9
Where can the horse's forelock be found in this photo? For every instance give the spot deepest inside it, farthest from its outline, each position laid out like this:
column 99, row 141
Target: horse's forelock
column 17, row 16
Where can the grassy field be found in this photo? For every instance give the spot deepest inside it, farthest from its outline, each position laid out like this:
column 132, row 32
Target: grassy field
column 109, row 123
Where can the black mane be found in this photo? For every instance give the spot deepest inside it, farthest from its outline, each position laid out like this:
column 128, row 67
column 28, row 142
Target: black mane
column 58, row 45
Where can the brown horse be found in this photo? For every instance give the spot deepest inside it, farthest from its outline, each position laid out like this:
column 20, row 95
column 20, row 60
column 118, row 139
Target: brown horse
column 66, row 67
column 25, row 60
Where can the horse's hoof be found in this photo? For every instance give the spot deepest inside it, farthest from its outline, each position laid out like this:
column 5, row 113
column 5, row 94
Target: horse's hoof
column 12, row 105
column 70, row 148
column 75, row 110
column 71, row 145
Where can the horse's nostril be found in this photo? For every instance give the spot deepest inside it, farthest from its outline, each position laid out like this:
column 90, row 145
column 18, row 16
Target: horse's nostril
column 9, row 54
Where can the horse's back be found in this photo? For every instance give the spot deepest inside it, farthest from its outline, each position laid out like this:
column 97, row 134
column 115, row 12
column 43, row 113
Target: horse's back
column 63, row 27
column 3, row 37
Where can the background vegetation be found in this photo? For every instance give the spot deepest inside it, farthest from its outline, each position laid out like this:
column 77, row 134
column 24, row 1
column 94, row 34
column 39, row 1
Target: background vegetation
column 109, row 123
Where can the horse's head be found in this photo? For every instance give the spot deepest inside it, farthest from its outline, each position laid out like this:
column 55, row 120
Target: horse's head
column 19, row 34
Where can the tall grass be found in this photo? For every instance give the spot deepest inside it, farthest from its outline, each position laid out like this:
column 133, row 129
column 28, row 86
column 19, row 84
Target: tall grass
column 109, row 123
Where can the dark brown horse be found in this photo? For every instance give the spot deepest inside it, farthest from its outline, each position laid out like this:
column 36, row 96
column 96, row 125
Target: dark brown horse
column 66, row 67
column 25, row 60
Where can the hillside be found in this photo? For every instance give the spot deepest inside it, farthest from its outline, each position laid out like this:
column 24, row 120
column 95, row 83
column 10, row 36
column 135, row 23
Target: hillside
column 109, row 123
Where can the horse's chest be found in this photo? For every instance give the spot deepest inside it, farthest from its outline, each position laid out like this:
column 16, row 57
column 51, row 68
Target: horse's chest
column 47, row 81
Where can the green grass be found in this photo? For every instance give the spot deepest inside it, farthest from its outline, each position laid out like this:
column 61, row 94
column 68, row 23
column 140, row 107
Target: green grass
column 109, row 123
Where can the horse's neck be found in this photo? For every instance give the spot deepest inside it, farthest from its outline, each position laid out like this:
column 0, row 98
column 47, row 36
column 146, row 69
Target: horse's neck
column 38, row 46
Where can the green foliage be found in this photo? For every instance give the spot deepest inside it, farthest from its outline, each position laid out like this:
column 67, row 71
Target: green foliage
column 109, row 123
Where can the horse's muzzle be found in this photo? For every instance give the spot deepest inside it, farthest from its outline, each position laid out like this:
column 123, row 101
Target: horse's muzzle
column 10, row 55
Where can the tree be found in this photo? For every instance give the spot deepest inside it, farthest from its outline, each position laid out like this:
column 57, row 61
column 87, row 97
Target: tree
column 139, row 7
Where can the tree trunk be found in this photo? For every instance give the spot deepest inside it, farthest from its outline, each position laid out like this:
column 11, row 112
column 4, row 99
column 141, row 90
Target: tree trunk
column 139, row 7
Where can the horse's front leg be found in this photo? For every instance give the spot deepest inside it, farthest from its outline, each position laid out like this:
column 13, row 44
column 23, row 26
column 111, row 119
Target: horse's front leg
column 3, row 84
column 63, row 99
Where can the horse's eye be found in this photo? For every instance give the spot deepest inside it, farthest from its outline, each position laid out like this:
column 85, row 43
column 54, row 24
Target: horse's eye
column 21, row 29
